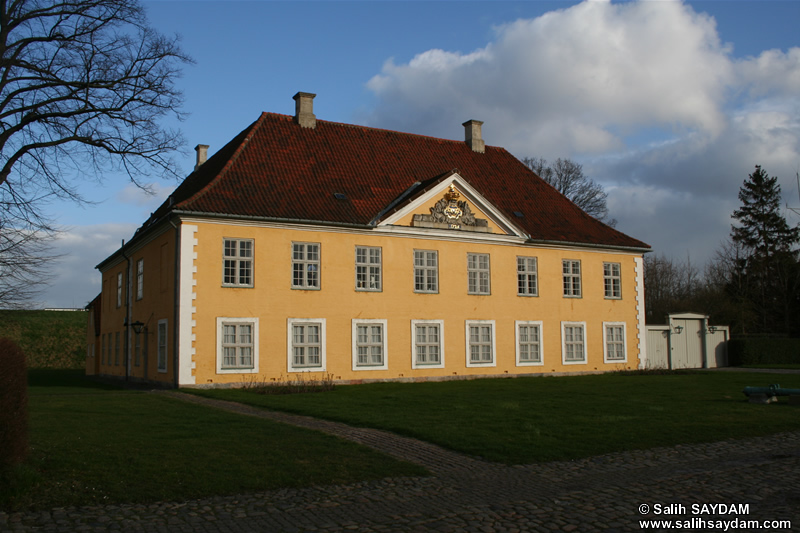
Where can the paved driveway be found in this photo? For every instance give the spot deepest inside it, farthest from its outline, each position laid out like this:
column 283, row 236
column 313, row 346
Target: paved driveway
column 740, row 482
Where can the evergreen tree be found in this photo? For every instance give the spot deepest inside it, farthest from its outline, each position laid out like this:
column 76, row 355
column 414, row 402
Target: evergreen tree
column 769, row 264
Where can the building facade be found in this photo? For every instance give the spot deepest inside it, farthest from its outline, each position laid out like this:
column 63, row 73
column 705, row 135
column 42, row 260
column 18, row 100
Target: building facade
column 331, row 250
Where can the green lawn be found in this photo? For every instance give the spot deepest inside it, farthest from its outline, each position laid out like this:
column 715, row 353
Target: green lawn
column 785, row 366
column 526, row 420
column 94, row 444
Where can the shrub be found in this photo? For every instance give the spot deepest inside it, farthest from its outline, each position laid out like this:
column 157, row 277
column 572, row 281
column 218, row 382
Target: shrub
column 763, row 351
column 299, row 385
column 13, row 405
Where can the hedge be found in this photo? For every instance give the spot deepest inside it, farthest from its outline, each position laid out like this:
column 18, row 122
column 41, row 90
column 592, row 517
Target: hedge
column 13, row 405
column 763, row 351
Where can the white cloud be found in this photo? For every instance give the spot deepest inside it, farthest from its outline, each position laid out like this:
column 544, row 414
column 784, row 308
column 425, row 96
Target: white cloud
column 591, row 71
column 74, row 281
column 151, row 195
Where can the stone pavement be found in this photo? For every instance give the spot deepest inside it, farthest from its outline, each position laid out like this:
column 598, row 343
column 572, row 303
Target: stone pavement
column 465, row 494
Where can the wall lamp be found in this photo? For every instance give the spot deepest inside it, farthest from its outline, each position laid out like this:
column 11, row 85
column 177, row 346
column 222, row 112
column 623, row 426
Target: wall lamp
column 677, row 329
column 712, row 329
column 137, row 326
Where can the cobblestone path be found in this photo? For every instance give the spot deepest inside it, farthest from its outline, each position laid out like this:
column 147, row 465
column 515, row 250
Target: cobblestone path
column 465, row 494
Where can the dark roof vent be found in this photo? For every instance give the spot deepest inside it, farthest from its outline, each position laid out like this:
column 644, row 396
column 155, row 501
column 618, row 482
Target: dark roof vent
column 518, row 214
column 340, row 196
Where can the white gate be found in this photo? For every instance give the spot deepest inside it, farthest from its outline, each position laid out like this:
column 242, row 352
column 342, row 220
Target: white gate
column 687, row 342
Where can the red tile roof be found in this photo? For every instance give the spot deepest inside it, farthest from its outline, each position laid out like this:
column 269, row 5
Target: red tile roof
column 279, row 170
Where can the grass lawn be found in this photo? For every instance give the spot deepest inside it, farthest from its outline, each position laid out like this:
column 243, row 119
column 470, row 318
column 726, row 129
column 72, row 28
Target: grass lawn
column 789, row 366
column 526, row 420
column 94, row 444
column 50, row 339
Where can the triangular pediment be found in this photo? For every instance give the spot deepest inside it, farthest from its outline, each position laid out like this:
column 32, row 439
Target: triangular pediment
column 452, row 204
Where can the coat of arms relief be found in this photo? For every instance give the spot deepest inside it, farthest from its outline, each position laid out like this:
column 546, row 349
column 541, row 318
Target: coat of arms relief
column 453, row 213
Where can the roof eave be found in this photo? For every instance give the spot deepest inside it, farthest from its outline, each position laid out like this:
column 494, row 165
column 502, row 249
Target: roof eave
column 623, row 248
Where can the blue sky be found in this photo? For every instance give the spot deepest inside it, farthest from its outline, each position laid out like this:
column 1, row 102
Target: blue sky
column 668, row 104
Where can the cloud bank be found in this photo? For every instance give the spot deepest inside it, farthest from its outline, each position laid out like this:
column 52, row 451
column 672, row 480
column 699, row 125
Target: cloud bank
column 645, row 95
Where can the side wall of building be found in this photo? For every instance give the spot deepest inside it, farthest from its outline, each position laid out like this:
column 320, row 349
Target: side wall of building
column 139, row 287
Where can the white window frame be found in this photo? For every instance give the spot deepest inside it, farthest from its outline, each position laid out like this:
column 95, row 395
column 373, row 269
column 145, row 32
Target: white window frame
column 606, row 341
column 517, row 339
column 119, row 289
column 162, row 347
column 140, row 279
column 569, row 290
column 426, row 270
column 116, row 348
column 478, row 275
column 237, row 261
column 356, row 322
column 525, row 275
column 306, row 265
column 414, row 362
column 564, row 326
column 369, row 275
column 290, row 324
column 227, row 320
column 611, row 291
column 480, row 323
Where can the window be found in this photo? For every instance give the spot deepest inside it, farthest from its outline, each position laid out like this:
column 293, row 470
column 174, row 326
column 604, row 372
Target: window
column 306, row 344
column 305, row 265
column 572, row 278
column 139, row 279
column 116, row 349
column 478, row 273
column 529, row 343
column 614, row 342
column 612, row 281
column 103, row 348
column 426, row 271
column 237, row 259
column 573, row 342
column 480, row 343
column 368, row 268
column 237, row 345
column 526, row 276
column 119, row 289
column 162, row 345
column 137, row 349
column 369, row 345
column 427, row 341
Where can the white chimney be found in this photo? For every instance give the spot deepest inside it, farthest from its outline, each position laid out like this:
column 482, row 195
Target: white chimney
column 202, row 154
column 472, row 135
column 304, row 110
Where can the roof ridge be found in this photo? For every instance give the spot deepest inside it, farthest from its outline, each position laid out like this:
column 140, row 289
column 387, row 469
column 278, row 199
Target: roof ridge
column 386, row 130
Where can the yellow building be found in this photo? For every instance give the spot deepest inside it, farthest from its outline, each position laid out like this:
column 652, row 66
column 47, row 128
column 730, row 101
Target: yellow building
column 306, row 246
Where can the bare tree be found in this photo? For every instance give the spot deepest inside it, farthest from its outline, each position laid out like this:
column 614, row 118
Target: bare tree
column 670, row 286
column 24, row 258
column 84, row 85
column 568, row 178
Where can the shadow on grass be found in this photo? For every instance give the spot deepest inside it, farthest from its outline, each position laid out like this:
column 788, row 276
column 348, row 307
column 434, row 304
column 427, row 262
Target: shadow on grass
column 54, row 378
